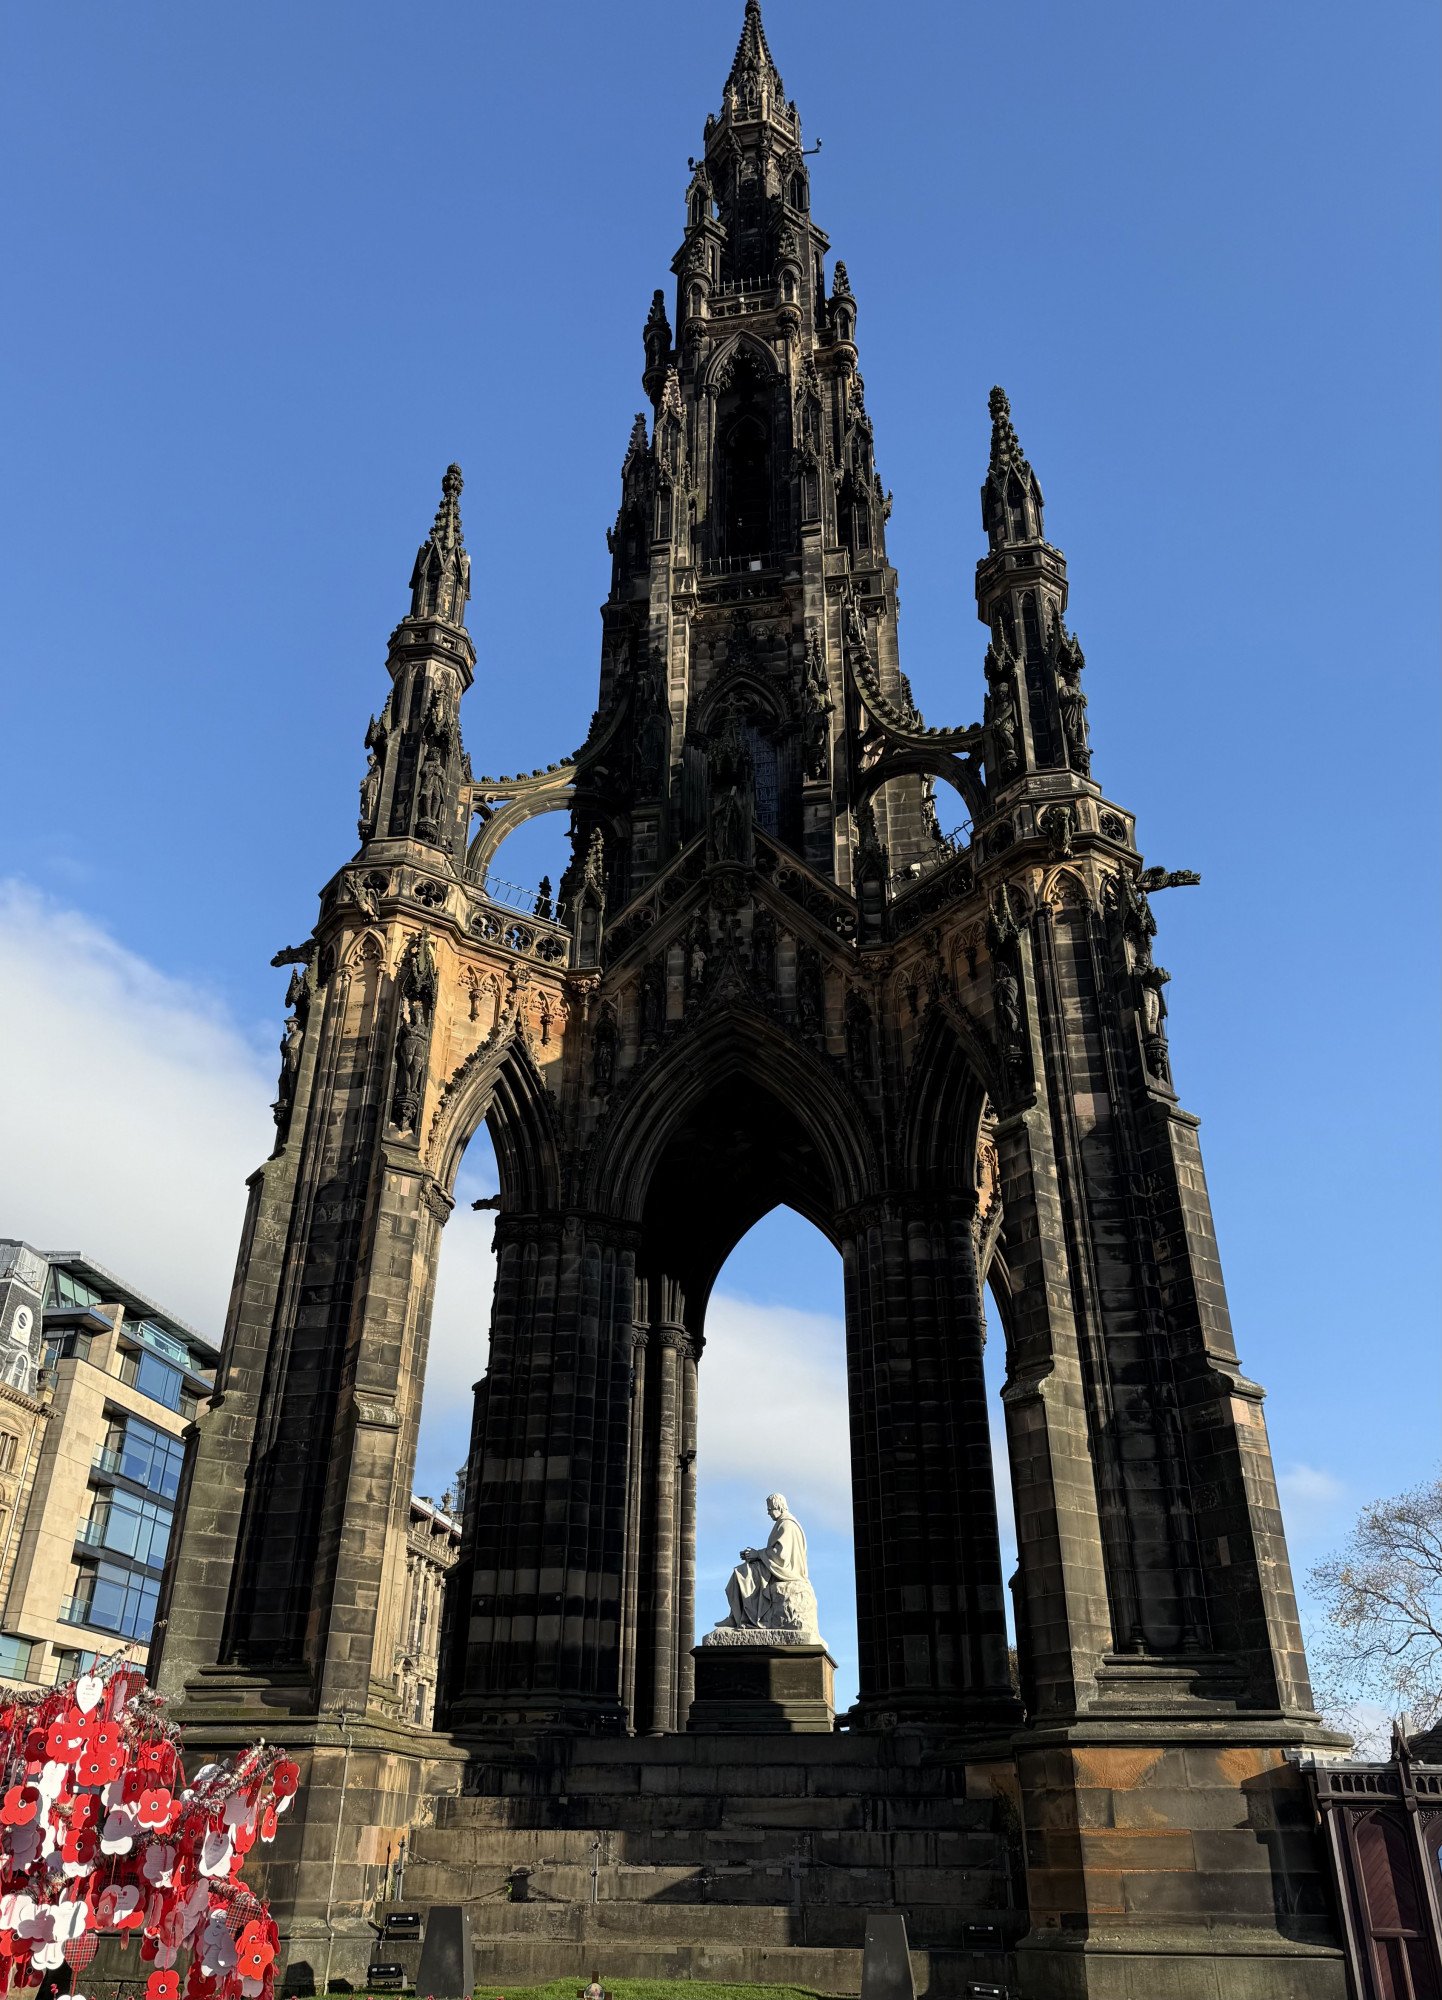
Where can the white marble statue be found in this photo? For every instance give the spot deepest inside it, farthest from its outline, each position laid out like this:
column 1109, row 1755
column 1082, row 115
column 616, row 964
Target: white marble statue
column 770, row 1595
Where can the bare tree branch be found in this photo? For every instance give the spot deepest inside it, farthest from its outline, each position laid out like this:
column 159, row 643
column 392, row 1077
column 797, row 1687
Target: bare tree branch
column 1382, row 1595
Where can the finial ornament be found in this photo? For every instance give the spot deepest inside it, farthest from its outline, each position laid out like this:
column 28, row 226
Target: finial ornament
column 1005, row 445
column 753, row 62
column 441, row 579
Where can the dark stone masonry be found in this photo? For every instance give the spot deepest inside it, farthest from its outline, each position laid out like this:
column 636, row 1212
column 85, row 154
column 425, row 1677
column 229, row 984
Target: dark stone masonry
column 769, row 974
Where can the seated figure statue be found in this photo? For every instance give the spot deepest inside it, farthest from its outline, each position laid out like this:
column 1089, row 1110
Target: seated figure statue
column 769, row 1593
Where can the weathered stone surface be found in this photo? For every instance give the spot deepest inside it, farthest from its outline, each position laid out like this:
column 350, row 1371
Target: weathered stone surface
column 763, row 1687
column 766, row 980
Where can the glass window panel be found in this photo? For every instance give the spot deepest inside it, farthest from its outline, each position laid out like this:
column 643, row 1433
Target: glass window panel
column 156, row 1378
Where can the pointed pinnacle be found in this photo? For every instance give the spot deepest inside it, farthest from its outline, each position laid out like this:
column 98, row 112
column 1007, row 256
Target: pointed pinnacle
column 446, row 534
column 753, row 54
column 1005, row 445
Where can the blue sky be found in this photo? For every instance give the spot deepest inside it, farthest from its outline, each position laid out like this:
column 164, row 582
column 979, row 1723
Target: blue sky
column 270, row 268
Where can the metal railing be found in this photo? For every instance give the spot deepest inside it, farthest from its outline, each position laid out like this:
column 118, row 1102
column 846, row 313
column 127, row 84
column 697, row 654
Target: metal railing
column 947, row 847
column 538, row 903
column 102, row 1459
column 164, row 1344
column 742, row 565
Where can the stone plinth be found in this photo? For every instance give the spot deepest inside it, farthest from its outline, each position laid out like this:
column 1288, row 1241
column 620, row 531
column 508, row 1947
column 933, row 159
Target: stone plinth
column 763, row 1689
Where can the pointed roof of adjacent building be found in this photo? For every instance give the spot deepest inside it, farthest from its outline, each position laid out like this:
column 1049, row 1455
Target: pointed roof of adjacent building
column 753, row 58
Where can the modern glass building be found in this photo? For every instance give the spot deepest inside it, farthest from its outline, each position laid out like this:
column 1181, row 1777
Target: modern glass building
column 88, row 1485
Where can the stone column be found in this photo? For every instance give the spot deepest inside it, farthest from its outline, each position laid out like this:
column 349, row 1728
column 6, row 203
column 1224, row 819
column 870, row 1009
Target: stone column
column 672, row 1338
column 686, row 1539
column 635, row 1498
column 930, row 1608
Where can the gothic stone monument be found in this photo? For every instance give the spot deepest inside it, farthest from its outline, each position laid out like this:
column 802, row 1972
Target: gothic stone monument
column 768, row 976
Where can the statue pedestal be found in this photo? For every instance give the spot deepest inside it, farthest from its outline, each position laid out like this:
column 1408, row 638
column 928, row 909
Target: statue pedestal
column 763, row 1690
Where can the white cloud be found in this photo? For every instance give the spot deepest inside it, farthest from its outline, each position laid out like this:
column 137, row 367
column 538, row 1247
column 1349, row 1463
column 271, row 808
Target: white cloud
column 772, row 1407
column 134, row 1109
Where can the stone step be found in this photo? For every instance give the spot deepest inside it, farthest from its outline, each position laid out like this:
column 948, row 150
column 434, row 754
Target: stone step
column 822, row 1927
column 510, row 1847
column 649, row 1893
column 513, row 1961
column 718, row 1809
column 770, row 1778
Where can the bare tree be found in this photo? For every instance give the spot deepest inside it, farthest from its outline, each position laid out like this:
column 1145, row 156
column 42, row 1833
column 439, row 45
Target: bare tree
column 1382, row 1597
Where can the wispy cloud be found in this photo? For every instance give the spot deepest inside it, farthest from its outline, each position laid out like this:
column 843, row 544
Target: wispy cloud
column 134, row 1108
column 772, row 1409
column 1314, row 1504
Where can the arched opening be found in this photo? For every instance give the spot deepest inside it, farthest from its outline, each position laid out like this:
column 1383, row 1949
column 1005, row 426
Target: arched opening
column 746, row 471
column 524, row 873
column 460, row 1327
column 995, row 1364
column 772, row 1416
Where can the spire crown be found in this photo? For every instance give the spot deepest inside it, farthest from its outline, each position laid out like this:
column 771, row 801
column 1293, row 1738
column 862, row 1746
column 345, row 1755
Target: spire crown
column 753, row 64
column 1006, row 451
column 441, row 579
column 1011, row 499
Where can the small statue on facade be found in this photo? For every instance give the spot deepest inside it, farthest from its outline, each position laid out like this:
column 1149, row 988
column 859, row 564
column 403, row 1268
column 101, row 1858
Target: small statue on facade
column 1006, row 999
column 769, row 1593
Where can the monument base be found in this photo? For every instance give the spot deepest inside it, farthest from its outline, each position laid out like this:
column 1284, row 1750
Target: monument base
column 763, row 1690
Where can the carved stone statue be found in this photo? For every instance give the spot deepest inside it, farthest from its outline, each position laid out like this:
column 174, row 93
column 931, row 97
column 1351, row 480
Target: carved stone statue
column 1074, row 725
column 410, row 1067
column 769, row 1592
column 430, row 789
column 733, row 801
column 1006, row 999
column 370, row 788
column 1002, row 723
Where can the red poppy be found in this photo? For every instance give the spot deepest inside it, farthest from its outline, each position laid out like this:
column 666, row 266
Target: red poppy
column 86, row 1809
column 22, row 1802
column 284, row 1779
column 97, row 1767
column 67, row 1737
column 163, row 1986
column 131, row 1787
column 35, row 1747
column 80, row 1846
column 256, row 1951
column 154, row 1808
column 268, row 1823
column 108, row 1737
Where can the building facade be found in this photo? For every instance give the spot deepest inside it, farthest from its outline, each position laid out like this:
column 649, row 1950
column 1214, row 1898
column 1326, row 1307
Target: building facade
column 99, row 1385
column 432, row 1545
column 771, row 976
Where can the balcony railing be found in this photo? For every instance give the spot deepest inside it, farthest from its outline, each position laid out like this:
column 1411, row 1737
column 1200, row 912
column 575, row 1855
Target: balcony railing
column 745, row 565
column 546, row 908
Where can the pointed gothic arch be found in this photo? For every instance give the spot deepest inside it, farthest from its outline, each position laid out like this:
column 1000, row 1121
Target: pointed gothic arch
column 733, row 1045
